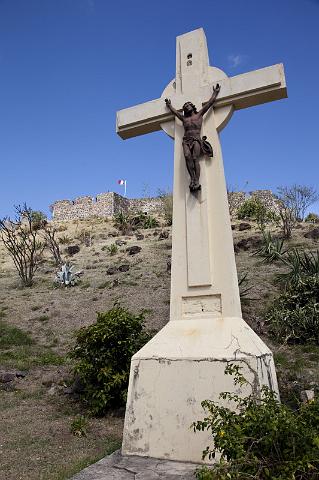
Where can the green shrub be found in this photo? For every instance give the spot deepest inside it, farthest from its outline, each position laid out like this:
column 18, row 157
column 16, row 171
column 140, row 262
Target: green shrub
column 254, row 209
column 260, row 438
column 78, row 426
column 294, row 315
column 112, row 249
column 143, row 220
column 312, row 218
column 103, row 354
column 122, row 221
column 39, row 219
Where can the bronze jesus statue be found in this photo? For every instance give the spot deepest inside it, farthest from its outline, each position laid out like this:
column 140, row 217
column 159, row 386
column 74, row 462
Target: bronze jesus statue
column 193, row 145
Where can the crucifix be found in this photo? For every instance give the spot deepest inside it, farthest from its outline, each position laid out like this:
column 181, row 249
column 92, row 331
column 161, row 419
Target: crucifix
column 206, row 323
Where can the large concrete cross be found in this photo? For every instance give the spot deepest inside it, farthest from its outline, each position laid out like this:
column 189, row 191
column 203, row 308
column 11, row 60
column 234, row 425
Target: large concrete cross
column 202, row 250
column 205, row 325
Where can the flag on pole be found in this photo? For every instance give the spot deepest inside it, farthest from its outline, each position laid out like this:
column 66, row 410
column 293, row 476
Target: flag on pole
column 123, row 182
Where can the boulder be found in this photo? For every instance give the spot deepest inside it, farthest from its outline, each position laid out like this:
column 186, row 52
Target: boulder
column 139, row 236
column 133, row 250
column 314, row 234
column 124, row 268
column 72, row 249
column 163, row 235
column 111, row 270
column 244, row 226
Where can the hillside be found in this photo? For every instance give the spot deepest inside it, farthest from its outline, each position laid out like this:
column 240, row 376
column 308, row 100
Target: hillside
column 36, row 440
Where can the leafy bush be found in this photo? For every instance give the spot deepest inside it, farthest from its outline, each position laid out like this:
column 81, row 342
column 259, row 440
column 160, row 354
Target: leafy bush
column 254, row 209
column 103, row 354
column 312, row 218
column 294, row 315
column 122, row 221
column 128, row 221
column 39, row 219
column 261, row 438
column 143, row 220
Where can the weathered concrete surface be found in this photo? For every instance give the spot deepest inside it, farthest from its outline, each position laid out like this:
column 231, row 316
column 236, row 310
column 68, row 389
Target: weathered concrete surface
column 118, row 467
column 180, row 367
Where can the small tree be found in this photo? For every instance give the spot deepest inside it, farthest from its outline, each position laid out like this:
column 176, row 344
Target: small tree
column 255, row 209
column 167, row 206
column 52, row 244
column 39, row 219
column 286, row 219
column 21, row 241
column 298, row 198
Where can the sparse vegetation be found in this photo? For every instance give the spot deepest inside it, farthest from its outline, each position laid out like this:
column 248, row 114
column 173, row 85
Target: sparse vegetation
column 261, row 438
column 294, row 315
column 254, row 209
column 112, row 249
column 312, row 218
column 78, row 426
column 167, row 206
column 22, row 243
column 297, row 199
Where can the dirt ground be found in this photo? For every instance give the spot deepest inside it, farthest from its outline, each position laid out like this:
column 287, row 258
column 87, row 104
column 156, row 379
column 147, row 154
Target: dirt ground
column 36, row 441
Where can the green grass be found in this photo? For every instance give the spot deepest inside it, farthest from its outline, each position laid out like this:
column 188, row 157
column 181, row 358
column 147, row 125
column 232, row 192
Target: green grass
column 64, row 473
column 41, row 318
column 18, row 350
column 104, row 285
column 13, row 336
column 28, row 356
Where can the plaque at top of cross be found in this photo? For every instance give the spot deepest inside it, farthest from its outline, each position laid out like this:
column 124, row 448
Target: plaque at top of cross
column 204, row 280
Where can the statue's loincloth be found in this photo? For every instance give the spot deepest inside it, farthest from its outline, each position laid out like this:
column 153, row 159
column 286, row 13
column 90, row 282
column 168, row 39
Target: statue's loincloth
column 205, row 146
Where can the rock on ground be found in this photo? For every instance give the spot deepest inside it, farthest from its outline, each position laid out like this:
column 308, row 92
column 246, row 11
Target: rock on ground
column 118, row 467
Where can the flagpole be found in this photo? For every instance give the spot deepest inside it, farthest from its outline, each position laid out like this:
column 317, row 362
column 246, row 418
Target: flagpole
column 124, row 188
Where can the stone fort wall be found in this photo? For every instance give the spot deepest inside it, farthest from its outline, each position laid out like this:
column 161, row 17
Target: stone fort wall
column 110, row 203
column 103, row 205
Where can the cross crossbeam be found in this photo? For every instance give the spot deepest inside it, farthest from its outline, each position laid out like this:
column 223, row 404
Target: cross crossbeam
column 241, row 91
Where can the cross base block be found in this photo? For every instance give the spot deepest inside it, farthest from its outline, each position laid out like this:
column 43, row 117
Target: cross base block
column 180, row 367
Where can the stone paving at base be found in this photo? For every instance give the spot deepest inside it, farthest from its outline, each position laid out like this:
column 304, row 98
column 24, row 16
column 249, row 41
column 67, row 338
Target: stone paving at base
column 118, row 467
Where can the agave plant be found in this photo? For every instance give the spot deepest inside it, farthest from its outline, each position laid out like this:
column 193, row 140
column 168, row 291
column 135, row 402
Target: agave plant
column 272, row 248
column 66, row 276
column 300, row 264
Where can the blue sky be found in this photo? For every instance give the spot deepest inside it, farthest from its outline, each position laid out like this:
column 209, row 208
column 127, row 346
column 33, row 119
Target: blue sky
column 67, row 66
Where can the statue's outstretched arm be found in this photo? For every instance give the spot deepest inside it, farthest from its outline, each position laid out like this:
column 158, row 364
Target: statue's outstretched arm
column 211, row 101
column 173, row 110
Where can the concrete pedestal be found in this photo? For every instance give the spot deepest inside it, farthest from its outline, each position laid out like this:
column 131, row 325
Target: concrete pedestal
column 181, row 366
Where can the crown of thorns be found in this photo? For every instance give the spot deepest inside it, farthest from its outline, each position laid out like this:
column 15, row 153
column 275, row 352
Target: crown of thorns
column 193, row 106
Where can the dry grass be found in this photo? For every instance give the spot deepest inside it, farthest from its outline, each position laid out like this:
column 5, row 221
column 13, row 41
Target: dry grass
column 36, row 440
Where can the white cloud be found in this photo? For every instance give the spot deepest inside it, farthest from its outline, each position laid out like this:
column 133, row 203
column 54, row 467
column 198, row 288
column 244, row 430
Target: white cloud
column 235, row 60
